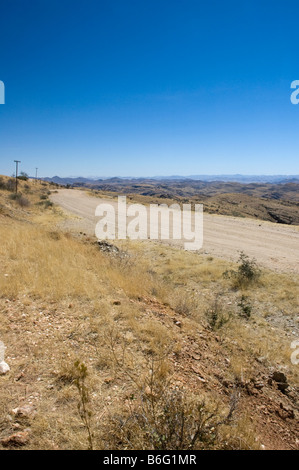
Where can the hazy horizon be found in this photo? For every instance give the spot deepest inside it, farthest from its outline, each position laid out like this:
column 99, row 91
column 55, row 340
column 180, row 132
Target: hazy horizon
column 170, row 176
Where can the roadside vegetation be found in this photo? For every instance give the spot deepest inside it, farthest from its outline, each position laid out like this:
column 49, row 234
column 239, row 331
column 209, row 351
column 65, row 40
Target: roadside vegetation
column 103, row 343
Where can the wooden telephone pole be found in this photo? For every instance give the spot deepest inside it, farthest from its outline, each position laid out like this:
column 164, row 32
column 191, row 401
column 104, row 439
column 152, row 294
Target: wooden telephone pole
column 17, row 165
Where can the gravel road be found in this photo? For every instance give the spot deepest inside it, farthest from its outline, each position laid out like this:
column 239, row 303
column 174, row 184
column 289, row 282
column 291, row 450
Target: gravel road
column 274, row 246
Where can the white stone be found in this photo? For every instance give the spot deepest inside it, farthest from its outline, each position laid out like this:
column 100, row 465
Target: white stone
column 4, row 368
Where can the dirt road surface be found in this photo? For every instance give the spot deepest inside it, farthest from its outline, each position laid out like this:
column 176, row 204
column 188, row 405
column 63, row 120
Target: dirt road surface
column 274, row 246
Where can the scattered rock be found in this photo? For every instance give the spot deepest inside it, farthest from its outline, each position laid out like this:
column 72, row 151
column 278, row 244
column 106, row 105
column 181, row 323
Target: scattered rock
column 259, row 385
column 150, row 392
column 116, row 302
column 196, row 357
column 25, row 411
column 4, row 368
column 19, row 376
column 227, row 383
column 201, row 379
column 16, row 440
column 16, row 425
column 281, row 380
column 286, row 412
column 108, row 380
column 261, row 360
column 107, row 247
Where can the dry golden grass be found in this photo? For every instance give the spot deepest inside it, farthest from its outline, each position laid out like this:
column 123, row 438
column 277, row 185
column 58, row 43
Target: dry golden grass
column 63, row 300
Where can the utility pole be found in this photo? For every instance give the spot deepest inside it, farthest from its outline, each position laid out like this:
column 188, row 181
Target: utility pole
column 17, row 165
column 36, row 173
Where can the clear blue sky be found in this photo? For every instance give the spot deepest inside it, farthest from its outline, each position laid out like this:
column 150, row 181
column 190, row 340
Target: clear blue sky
column 149, row 87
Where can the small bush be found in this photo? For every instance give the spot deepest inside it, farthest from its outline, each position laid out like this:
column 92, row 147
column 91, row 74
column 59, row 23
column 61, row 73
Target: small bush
column 80, row 375
column 216, row 316
column 15, row 196
column 9, row 185
column 23, row 176
column 247, row 273
column 185, row 305
column 46, row 203
column 245, row 307
column 23, row 201
column 164, row 417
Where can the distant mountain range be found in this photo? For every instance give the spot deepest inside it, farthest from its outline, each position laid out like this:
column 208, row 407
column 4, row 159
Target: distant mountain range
column 245, row 179
column 272, row 198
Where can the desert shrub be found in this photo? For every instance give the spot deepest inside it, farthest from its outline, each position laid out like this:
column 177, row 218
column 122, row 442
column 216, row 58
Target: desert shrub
column 161, row 416
column 80, row 375
column 23, row 176
column 9, row 185
column 23, row 201
column 46, row 203
column 15, row 196
column 245, row 307
column 184, row 304
column 216, row 316
column 168, row 423
column 247, row 273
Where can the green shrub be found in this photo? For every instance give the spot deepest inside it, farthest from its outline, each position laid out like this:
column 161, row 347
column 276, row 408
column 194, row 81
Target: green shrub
column 14, row 196
column 23, row 176
column 23, row 201
column 247, row 273
column 216, row 316
column 9, row 185
column 162, row 416
column 46, row 203
column 245, row 307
